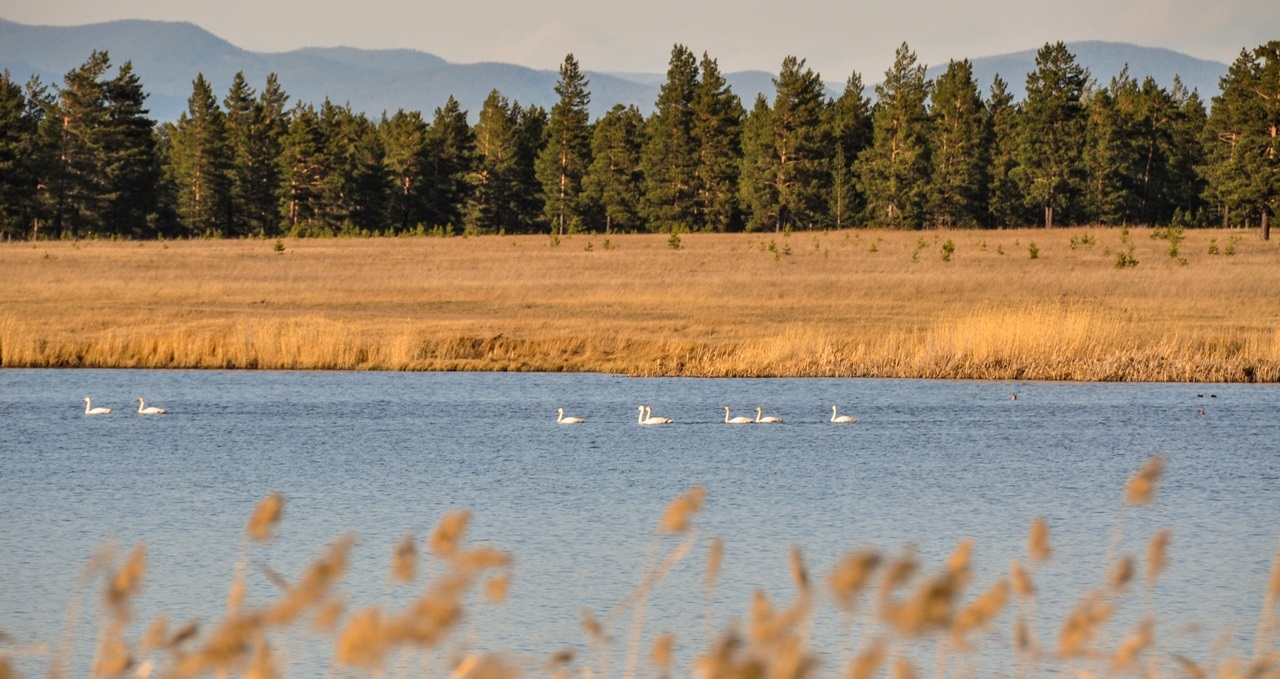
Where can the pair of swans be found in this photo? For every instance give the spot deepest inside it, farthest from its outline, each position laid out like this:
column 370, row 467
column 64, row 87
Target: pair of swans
column 646, row 417
column 561, row 419
column 766, row 419
column 143, row 409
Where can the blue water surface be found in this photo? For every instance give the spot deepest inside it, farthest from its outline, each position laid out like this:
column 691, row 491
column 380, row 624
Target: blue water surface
column 379, row 455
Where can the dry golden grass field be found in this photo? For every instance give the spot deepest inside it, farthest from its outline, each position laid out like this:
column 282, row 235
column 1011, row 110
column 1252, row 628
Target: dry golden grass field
column 847, row 303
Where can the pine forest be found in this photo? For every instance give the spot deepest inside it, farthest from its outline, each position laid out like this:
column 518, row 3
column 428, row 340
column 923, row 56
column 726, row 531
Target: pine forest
column 82, row 159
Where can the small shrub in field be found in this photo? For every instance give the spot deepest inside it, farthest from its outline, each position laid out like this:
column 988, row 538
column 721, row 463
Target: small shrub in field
column 1213, row 246
column 674, row 241
column 554, row 241
column 1084, row 240
column 1032, row 250
column 947, row 249
column 607, row 245
column 278, row 247
column 786, row 249
column 999, row 249
column 1125, row 259
column 589, row 247
column 1231, row 246
column 872, row 247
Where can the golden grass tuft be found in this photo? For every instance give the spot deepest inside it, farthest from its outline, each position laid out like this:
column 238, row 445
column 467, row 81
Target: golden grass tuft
column 717, row 307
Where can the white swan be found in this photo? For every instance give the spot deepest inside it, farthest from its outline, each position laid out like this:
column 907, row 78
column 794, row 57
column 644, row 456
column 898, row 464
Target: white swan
column 841, row 419
column 144, row 410
column 561, row 419
column 768, row 419
column 90, row 410
column 737, row 420
column 646, row 417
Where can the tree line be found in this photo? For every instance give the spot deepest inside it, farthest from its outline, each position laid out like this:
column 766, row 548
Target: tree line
column 83, row 159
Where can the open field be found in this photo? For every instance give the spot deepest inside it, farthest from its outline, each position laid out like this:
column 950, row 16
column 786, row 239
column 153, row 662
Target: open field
column 849, row 303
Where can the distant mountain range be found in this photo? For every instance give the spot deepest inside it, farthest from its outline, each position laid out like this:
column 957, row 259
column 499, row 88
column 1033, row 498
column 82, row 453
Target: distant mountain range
column 168, row 55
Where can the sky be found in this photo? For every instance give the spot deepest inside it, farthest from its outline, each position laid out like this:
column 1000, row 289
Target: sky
column 836, row 37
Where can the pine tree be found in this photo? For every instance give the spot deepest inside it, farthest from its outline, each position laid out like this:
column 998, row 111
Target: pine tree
column 959, row 149
column 894, row 172
column 494, row 179
column 131, row 164
column 256, row 126
column 404, row 137
column 563, row 162
column 354, row 187
column 1107, row 158
column 19, row 175
column 302, row 171
column 1242, row 167
column 716, row 133
column 757, row 190
column 450, row 155
column 670, row 156
column 531, row 139
column 1005, row 203
column 199, row 163
column 798, row 164
column 1049, row 152
column 1185, row 191
column 849, row 120
column 615, row 182
column 79, row 183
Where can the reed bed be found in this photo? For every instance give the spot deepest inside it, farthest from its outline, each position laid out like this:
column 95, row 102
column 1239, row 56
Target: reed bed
column 897, row 617
column 862, row 303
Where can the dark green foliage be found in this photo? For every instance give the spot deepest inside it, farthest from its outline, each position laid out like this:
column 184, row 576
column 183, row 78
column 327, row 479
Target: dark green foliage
column 563, row 162
column 614, row 182
column 756, row 189
column 19, row 154
column 1050, row 168
column 303, row 168
column 450, row 157
column 404, row 142
column 894, row 172
column 1005, row 203
column 849, row 120
column 256, row 126
column 75, row 123
column 199, row 164
column 130, row 163
column 670, row 157
column 716, row 129
column 1242, row 145
column 959, row 149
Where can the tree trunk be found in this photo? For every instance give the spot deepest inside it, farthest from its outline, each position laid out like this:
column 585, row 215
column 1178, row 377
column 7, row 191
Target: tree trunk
column 1048, row 216
column 1266, row 226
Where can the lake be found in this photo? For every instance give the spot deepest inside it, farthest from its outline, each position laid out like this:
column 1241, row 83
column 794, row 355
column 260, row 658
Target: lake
column 928, row 464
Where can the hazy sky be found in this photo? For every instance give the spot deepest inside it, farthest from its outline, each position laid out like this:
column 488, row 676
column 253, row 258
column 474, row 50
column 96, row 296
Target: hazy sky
column 835, row 36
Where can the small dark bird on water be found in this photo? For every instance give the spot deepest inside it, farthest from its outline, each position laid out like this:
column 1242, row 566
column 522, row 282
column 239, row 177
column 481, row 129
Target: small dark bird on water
column 1013, row 398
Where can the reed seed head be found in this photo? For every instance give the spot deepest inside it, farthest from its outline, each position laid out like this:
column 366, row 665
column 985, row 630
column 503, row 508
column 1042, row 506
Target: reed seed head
column 1157, row 551
column 715, row 556
column 1141, row 489
column 663, row 648
column 1132, row 646
column 902, row 669
column 480, row 558
column 853, row 573
column 1082, row 625
column 447, row 537
column 592, row 626
column 261, row 665
column 676, row 519
column 982, row 611
column 157, row 634
column 1122, row 573
column 329, row 614
column 868, row 661
column 799, row 575
column 404, row 563
column 495, row 589
column 265, row 517
column 1038, row 542
column 363, row 641
column 126, row 582
column 315, row 584
column 1022, row 585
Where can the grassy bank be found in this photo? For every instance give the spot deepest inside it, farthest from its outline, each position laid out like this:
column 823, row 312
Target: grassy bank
column 850, row 303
